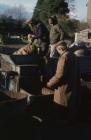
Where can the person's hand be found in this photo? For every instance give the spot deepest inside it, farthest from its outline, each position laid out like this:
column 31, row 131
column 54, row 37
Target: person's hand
column 33, row 36
column 48, row 85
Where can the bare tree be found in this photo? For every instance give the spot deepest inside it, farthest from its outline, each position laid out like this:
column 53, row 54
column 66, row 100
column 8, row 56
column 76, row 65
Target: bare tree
column 72, row 8
column 17, row 12
column 71, row 4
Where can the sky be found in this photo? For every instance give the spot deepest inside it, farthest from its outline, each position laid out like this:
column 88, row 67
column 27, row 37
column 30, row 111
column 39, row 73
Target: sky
column 28, row 4
column 81, row 9
column 80, row 6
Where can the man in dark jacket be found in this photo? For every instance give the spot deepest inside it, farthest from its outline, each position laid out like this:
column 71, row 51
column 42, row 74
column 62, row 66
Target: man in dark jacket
column 39, row 36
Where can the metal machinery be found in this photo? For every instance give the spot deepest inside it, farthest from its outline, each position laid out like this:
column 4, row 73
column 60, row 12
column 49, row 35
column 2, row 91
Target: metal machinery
column 20, row 72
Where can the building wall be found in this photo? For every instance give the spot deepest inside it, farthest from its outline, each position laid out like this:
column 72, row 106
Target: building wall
column 89, row 11
column 83, row 36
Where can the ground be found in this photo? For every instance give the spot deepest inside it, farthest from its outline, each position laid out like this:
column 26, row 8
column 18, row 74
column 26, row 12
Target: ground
column 18, row 123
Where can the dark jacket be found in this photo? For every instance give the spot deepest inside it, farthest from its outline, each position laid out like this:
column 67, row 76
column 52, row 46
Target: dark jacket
column 41, row 39
column 41, row 32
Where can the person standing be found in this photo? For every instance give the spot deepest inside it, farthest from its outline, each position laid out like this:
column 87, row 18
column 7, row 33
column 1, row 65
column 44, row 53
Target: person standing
column 66, row 79
column 56, row 34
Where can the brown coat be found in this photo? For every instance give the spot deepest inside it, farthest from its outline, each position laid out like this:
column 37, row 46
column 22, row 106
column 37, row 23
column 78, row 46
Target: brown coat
column 67, row 77
column 26, row 50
